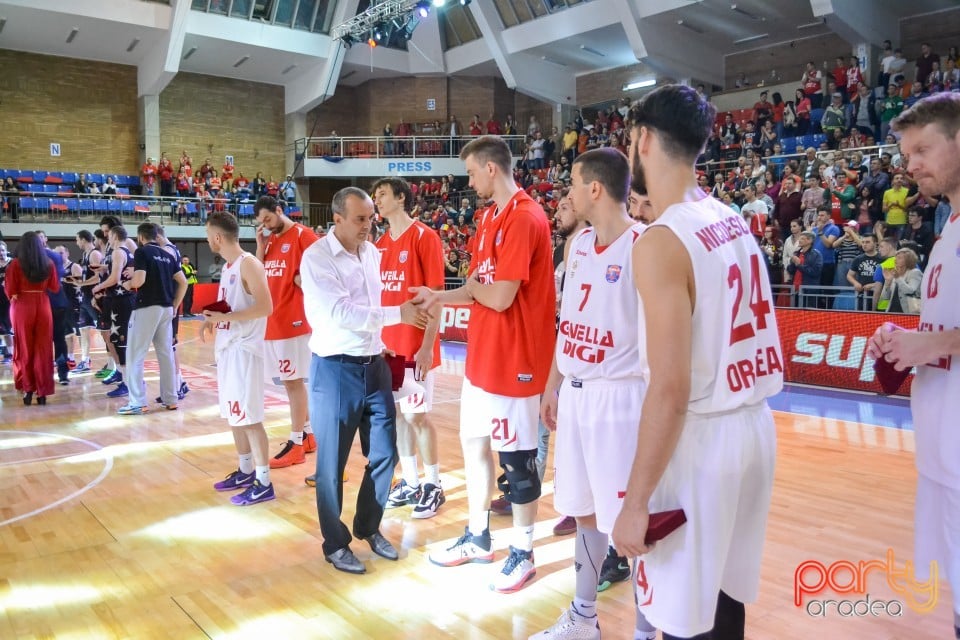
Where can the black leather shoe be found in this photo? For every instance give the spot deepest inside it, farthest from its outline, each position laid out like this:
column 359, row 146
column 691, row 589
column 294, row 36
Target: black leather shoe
column 344, row 560
column 42, row 400
column 28, row 398
column 381, row 546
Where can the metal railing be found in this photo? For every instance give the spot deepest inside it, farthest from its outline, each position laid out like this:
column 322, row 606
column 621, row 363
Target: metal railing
column 730, row 157
column 421, row 146
column 830, row 298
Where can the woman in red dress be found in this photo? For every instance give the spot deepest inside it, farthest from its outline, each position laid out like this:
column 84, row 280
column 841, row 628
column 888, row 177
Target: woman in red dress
column 29, row 276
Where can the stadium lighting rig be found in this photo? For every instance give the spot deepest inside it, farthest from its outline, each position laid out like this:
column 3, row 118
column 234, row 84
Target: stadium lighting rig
column 387, row 21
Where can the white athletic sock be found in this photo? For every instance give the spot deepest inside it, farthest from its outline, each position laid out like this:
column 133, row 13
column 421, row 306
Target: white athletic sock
column 111, row 363
column 297, row 437
column 84, row 345
column 307, row 428
column 263, row 475
column 523, row 538
column 246, row 463
column 121, row 368
column 432, row 473
column 479, row 522
column 408, row 469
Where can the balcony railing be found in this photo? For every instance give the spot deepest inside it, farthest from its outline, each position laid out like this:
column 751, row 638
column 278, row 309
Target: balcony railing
column 394, row 146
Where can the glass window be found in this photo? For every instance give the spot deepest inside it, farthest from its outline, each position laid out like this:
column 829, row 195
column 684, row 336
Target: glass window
column 219, row 6
column 305, row 14
column 241, row 8
column 285, row 12
column 199, row 5
column 324, row 17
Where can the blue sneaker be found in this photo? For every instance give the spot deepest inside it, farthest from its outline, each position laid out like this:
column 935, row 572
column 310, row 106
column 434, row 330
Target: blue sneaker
column 119, row 392
column 183, row 391
column 113, row 378
column 83, row 367
column 131, row 410
column 236, row 480
column 253, row 494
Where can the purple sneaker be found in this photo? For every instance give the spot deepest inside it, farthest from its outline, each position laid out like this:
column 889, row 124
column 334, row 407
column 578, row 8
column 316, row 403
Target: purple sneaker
column 254, row 494
column 236, row 480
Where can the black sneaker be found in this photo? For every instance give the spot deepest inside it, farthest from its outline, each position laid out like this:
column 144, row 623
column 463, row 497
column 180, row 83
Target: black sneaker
column 431, row 497
column 615, row 569
column 403, row 494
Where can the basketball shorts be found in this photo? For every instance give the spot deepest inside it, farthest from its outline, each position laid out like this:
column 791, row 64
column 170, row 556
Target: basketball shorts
column 288, row 359
column 510, row 423
column 240, row 386
column 937, row 533
column 414, row 396
column 721, row 475
column 88, row 315
column 103, row 317
column 597, row 426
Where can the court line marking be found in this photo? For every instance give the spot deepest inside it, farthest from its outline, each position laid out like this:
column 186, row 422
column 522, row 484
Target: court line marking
column 107, row 467
column 43, row 459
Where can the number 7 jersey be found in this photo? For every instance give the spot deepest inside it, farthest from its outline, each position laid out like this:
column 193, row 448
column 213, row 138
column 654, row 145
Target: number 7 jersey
column 600, row 310
column 736, row 360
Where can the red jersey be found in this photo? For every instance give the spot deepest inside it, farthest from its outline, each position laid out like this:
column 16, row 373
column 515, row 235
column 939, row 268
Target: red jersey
column 215, row 184
column 509, row 352
column 272, row 189
column 493, row 127
column 281, row 262
column 227, row 172
column 241, row 183
column 149, row 173
column 415, row 259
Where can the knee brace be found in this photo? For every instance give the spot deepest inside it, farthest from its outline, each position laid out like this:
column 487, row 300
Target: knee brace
column 519, row 482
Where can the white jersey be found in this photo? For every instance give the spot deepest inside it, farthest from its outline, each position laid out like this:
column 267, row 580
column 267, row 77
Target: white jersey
column 935, row 397
column 599, row 310
column 735, row 357
column 247, row 335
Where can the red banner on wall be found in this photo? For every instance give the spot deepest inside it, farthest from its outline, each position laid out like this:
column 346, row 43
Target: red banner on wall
column 824, row 348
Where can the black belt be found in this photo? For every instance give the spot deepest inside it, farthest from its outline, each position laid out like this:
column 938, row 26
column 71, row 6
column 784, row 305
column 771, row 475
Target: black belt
column 342, row 357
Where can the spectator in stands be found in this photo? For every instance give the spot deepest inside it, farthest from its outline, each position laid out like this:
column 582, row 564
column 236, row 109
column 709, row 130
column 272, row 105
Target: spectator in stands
column 788, row 202
column 901, row 285
column 941, row 214
column 839, row 75
column 875, row 182
column 564, row 175
column 288, row 191
column 569, row 147
column 226, row 176
column 537, row 148
column 242, row 185
column 451, row 264
column 727, row 199
column 80, row 187
column 199, row 187
column 11, row 195
column 183, row 184
column 847, row 249
column 790, row 119
column 754, row 211
column 509, row 126
column 854, row 78
column 863, row 112
column 729, row 134
column 213, row 271
column 493, row 126
column 804, row 268
column 476, row 126
column 791, row 244
column 109, row 187
column 762, row 110
column 404, row 130
column 206, row 170
column 812, row 82
column 844, row 191
column 190, row 272
column 533, row 126
column 803, row 107
column 925, row 62
column 148, row 177
column 768, row 136
column 861, row 271
column 259, row 185
column 896, row 201
column 772, row 254
column 761, row 190
column 772, row 189
column 165, row 173
column 214, row 184
column 916, row 94
column 934, row 82
column 186, row 163
column 826, row 235
column 834, row 117
column 810, row 165
column 273, row 189
column 387, row 139
column 919, row 232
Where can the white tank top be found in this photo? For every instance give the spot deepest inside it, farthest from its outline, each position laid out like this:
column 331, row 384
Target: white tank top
column 599, row 310
column 247, row 335
column 735, row 359
column 935, row 396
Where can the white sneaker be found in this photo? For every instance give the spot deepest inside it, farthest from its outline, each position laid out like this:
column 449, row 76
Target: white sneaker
column 467, row 548
column 517, row 571
column 570, row 626
column 431, row 497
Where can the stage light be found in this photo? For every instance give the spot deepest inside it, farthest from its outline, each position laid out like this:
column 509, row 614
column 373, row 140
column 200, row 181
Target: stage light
column 372, row 43
column 465, row 3
column 377, row 34
column 439, row 3
column 423, row 8
column 348, row 40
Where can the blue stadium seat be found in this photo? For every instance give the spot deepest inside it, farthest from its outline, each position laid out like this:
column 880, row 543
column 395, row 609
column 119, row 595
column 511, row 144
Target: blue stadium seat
column 69, row 178
column 54, row 177
column 123, row 191
column 73, row 205
column 86, row 204
column 191, row 208
column 27, row 203
column 819, row 139
column 4, row 173
column 95, row 177
column 50, row 188
column 245, row 210
column 141, row 206
column 113, row 206
column 58, row 205
column 39, row 176
column 101, row 206
column 126, row 206
column 41, row 204
column 788, row 144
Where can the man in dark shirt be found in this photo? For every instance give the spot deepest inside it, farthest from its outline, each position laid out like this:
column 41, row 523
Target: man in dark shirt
column 160, row 285
column 860, row 274
column 920, row 232
column 60, row 308
column 788, row 204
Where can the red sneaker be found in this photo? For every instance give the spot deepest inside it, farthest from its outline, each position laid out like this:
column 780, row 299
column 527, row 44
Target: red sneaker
column 291, row 454
column 309, row 443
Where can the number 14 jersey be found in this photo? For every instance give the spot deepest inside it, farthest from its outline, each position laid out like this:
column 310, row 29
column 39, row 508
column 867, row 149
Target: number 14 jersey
column 600, row 310
column 736, row 359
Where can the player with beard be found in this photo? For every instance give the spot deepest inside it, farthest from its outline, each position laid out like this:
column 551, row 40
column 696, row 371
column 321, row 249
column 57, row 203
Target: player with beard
column 931, row 138
column 706, row 440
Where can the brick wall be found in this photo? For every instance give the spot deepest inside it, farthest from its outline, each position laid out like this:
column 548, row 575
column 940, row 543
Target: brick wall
column 213, row 117
column 90, row 108
column 604, row 86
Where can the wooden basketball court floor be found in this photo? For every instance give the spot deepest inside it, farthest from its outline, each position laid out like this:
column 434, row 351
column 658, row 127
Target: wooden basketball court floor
column 109, row 528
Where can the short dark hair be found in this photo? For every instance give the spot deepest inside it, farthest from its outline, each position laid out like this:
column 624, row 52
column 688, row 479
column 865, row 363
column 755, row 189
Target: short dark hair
column 147, row 230
column 489, row 149
column 610, row 168
column 266, row 202
column 110, row 221
column 100, row 235
column 85, row 235
column 120, row 231
column 226, row 222
column 942, row 109
column 681, row 118
column 399, row 187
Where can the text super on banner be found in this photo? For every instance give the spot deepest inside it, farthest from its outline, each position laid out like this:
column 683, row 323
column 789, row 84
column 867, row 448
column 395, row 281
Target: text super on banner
column 824, row 348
